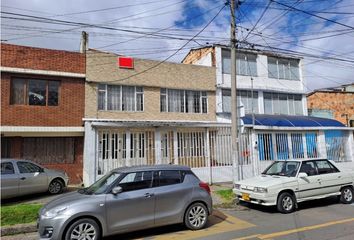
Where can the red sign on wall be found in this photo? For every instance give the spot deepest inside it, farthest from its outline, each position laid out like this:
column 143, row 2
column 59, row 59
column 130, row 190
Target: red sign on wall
column 126, row 62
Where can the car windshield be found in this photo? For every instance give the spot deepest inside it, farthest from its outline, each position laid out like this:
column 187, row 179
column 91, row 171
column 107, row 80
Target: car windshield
column 102, row 184
column 283, row 168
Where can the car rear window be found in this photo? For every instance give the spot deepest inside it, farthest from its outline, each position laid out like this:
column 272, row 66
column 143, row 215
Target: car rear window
column 169, row 177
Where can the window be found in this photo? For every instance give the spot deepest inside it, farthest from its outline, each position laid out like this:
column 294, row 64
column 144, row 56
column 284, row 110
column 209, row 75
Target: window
column 7, row 168
column 26, row 167
column 34, row 92
column 120, row 98
column 136, row 181
column 169, row 178
column 246, row 63
column 297, row 145
column 47, row 150
column 265, row 146
column 279, row 103
column 281, row 140
column 311, row 145
column 244, row 96
column 282, row 68
column 185, row 101
column 324, row 167
column 309, row 168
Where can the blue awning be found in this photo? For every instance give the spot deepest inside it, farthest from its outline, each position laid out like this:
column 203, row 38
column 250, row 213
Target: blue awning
column 290, row 121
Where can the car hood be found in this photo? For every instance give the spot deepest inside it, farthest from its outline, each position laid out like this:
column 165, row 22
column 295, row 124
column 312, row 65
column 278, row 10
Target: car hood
column 55, row 172
column 265, row 181
column 66, row 199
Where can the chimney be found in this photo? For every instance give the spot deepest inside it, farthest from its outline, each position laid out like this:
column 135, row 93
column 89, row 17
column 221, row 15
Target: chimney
column 84, row 42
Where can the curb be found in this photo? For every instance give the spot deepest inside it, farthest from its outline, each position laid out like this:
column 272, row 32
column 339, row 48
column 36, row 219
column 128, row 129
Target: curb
column 18, row 229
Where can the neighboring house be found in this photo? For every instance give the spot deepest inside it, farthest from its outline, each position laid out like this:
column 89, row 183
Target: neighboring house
column 42, row 106
column 147, row 113
column 336, row 103
column 276, row 126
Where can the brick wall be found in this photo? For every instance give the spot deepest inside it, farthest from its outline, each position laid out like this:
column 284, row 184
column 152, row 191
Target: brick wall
column 339, row 102
column 16, row 56
column 69, row 111
column 196, row 54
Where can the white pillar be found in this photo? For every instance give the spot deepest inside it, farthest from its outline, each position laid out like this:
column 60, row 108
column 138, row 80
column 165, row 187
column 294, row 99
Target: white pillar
column 304, row 144
column 175, row 146
column 207, row 155
column 127, row 147
column 255, row 150
column 90, row 155
column 321, row 140
column 349, row 147
column 157, row 146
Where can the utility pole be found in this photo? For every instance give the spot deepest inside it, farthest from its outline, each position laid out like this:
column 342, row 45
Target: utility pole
column 234, row 125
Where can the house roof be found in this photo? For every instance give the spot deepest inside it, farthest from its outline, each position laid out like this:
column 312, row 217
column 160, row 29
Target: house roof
column 290, row 121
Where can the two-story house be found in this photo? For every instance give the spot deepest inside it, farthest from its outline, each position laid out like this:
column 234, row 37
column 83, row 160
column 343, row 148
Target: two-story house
column 272, row 91
column 42, row 106
column 146, row 112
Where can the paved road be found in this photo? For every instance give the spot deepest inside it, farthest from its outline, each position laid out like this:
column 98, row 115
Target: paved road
column 322, row 219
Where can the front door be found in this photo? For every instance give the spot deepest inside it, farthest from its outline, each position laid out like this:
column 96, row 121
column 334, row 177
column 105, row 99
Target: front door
column 9, row 180
column 167, row 147
column 133, row 208
column 308, row 187
column 32, row 178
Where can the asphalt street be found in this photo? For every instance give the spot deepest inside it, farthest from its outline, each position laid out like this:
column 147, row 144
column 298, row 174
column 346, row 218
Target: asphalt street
column 324, row 219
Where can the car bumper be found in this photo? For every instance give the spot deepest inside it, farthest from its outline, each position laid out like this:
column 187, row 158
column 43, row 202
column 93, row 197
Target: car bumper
column 256, row 198
column 51, row 229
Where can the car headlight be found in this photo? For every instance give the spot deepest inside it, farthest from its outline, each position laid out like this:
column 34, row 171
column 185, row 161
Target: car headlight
column 237, row 186
column 54, row 212
column 260, row 190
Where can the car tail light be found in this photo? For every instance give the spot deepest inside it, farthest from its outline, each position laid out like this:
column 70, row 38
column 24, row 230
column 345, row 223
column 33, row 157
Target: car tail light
column 205, row 186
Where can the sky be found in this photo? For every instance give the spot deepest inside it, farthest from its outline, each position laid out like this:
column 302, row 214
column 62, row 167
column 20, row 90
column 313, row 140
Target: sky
column 321, row 31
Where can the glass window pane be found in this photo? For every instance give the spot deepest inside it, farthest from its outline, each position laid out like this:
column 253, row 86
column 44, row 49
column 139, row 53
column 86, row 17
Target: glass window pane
column 26, row 167
column 226, row 100
column 128, row 98
column 297, row 145
column 282, row 146
column 163, row 103
column 113, row 97
column 283, row 103
column 204, row 105
column 272, row 67
column 136, row 181
column 139, row 102
column 268, row 103
column 294, row 70
column 7, row 168
column 101, row 97
column 169, row 178
column 18, row 91
column 298, row 105
column 226, row 61
column 37, row 92
column 53, row 93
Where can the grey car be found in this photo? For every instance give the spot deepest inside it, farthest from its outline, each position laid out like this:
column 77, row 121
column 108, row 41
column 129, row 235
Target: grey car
column 128, row 199
column 22, row 177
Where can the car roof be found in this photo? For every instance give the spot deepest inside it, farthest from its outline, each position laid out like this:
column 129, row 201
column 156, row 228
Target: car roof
column 302, row 160
column 152, row 168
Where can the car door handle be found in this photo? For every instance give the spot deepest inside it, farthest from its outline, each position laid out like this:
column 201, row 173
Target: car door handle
column 148, row 195
column 23, row 178
column 339, row 176
column 318, row 180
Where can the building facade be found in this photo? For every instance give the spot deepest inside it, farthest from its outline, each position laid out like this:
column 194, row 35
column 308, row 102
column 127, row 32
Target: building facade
column 135, row 116
column 42, row 106
column 271, row 90
column 336, row 103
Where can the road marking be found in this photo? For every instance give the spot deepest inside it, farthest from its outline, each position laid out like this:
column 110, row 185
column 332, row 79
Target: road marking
column 218, row 223
column 296, row 230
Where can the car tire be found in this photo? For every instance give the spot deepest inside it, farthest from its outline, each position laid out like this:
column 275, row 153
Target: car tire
column 88, row 226
column 196, row 216
column 55, row 187
column 346, row 196
column 286, row 203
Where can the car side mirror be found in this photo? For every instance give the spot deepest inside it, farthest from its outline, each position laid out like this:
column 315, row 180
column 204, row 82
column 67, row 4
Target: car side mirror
column 117, row 190
column 303, row 175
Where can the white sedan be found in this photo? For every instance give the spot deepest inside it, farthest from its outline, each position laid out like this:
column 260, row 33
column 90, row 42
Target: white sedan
column 286, row 183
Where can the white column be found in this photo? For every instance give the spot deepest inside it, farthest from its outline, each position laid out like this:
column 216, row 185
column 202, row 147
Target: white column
column 158, row 146
column 304, row 144
column 290, row 146
column 90, row 153
column 127, row 147
column 260, row 102
column 255, row 150
column 321, row 143
column 207, row 154
column 175, row 146
column 349, row 147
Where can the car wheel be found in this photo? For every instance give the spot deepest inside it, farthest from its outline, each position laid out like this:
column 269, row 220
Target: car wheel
column 347, row 195
column 196, row 216
column 286, row 203
column 85, row 229
column 55, row 187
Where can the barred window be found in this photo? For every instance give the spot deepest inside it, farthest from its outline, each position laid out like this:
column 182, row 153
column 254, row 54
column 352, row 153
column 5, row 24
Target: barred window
column 185, row 101
column 120, row 98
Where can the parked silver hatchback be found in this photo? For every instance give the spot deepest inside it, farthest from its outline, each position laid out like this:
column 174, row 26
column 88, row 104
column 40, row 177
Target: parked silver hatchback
column 23, row 177
column 128, row 199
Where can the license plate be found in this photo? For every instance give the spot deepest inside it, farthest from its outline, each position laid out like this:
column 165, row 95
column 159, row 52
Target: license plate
column 246, row 196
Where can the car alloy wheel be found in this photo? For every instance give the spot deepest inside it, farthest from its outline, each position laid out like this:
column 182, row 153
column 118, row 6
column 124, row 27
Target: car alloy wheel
column 83, row 229
column 196, row 216
column 347, row 195
column 55, row 187
column 286, row 203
